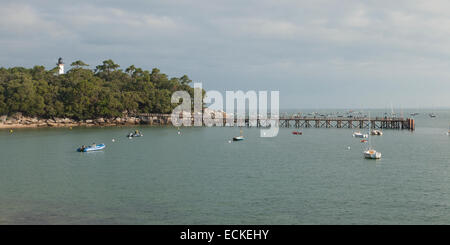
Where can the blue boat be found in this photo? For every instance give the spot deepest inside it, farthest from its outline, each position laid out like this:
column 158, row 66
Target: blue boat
column 91, row 148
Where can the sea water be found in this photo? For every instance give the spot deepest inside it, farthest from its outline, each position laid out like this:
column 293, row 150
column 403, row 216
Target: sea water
column 199, row 177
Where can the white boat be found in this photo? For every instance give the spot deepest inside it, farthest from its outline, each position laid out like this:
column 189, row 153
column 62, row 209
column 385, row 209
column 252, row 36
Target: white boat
column 239, row 138
column 371, row 153
column 360, row 135
column 376, row 132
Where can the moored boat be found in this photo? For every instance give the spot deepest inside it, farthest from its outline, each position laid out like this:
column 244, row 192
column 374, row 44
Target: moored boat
column 376, row 132
column 297, row 133
column 91, row 148
column 136, row 133
column 359, row 135
column 239, row 138
column 372, row 154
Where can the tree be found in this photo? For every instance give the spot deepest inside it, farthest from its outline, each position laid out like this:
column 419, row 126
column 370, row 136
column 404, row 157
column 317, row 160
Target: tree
column 78, row 64
column 108, row 66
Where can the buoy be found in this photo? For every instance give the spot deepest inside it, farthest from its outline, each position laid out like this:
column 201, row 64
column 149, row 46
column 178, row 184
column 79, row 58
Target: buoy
column 11, row 131
column 348, row 147
column 70, row 128
column 178, row 132
column 229, row 141
column 113, row 140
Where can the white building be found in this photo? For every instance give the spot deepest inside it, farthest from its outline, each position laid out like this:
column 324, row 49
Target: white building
column 60, row 64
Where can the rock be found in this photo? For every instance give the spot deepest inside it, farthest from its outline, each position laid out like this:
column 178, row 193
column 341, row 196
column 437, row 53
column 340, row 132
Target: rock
column 100, row 120
column 3, row 118
column 11, row 121
column 17, row 116
column 50, row 121
column 67, row 120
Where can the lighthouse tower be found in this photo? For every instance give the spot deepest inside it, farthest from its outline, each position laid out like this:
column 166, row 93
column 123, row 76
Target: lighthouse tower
column 60, row 64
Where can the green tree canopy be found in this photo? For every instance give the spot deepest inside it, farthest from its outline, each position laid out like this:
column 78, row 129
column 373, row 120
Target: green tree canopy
column 83, row 93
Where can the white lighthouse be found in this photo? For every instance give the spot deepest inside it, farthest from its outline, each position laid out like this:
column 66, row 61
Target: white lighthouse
column 60, row 64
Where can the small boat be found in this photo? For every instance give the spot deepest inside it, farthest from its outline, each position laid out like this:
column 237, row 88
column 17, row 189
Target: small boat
column 414, row 114
column 297, row 133
column 136, row 133
column 432, row 115
column 372, row 154
column 359, row 135
column 363, row 141
column 239, row 138
column 91, row 148
column 376, row 132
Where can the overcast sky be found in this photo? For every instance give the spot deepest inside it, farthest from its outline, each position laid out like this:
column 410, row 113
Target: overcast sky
column 318, row 54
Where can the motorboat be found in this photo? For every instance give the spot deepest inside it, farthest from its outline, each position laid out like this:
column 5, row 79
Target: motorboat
column 136, row 133
column 360, row 135
column 91, row 148
column 376, row 132
column 297, row 133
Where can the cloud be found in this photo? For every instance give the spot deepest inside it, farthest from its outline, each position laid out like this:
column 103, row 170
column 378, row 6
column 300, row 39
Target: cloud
column 296, row 46
column 24, row 20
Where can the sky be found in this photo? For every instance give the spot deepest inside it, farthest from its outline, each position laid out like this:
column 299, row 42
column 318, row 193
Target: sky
column 318, row 54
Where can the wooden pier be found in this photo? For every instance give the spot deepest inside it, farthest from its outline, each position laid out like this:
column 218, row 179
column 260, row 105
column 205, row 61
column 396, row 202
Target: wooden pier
column 300, row 122
column 360, row 123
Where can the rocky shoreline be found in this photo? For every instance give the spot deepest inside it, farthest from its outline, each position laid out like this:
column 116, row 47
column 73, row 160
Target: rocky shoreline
column 19, row 121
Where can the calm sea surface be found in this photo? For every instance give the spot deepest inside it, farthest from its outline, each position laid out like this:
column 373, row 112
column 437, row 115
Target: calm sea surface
column 200, row 178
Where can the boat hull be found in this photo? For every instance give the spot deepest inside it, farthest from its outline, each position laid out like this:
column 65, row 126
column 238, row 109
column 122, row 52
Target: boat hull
column 359, row 135
column 134, row 135
column 90, row 148
column 238, row 138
